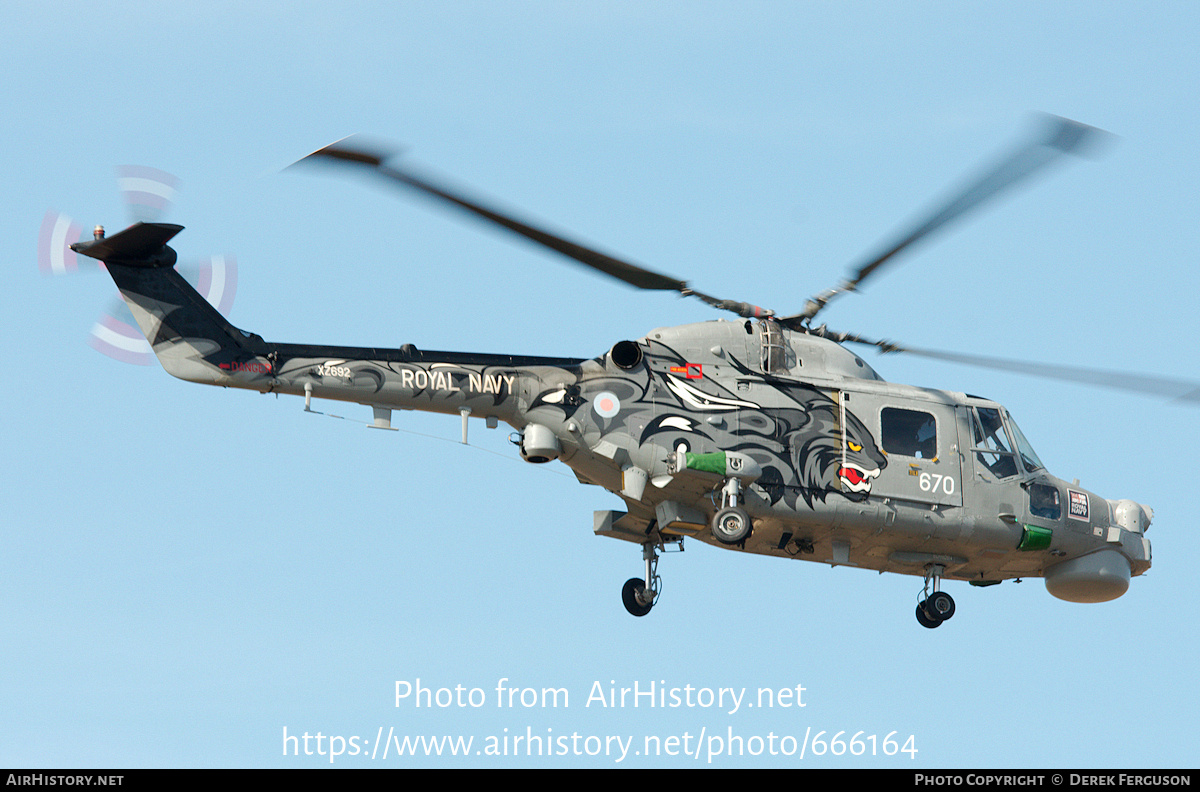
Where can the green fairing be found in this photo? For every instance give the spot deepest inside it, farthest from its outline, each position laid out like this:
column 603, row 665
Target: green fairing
column 1035, row 538
column 707, row 463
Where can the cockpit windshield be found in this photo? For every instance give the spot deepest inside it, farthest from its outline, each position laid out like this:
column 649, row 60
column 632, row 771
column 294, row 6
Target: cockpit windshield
column 1028, row 457
column 992, row 447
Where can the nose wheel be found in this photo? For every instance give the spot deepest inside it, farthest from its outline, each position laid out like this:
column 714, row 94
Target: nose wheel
column 936, row 606
column 731, row 525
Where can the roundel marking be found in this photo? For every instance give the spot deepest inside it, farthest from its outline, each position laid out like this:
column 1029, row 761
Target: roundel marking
column 606, row 404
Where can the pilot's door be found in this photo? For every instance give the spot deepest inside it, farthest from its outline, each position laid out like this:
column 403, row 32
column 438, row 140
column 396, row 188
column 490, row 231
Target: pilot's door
column 1007, row 472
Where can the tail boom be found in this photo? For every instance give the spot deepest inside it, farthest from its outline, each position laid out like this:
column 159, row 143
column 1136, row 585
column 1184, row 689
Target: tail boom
column 194, row 342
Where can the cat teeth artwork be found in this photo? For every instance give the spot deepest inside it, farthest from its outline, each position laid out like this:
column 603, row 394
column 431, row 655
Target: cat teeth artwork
column 854, row 478
column 761, row 434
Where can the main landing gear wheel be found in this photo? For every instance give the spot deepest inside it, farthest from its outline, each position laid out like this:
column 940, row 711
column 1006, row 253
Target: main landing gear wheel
column 731, row 525
column 935, row 610
column 923, row 617
column 938, row 606
column 633, row 595
column 639, row 594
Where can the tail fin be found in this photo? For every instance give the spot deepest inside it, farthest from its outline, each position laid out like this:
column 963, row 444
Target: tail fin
column 192, row 340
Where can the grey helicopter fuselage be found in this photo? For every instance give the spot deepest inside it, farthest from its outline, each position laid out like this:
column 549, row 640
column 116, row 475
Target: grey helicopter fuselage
column 847, row 469
column 763, row 435
column 830, row 462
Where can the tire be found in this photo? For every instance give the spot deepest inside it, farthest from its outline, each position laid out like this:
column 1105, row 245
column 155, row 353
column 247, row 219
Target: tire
column 940, row 606
column 731, row 526
column 924, row 619
column 630, row 593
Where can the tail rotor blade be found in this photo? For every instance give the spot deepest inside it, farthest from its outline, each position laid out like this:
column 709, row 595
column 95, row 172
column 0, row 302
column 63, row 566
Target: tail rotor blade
column 116, row 336
column 57, row 234
column 216, row 280
column 148, row 192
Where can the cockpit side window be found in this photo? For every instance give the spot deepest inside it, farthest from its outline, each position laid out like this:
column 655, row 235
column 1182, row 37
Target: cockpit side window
column 992, row 447
column 1044, row 502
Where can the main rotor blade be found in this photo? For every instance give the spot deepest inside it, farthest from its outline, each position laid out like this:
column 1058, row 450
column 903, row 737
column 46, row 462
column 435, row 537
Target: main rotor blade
column 1187, row 391
column 1176, row 389
column 632, row 274
column 1054, row 138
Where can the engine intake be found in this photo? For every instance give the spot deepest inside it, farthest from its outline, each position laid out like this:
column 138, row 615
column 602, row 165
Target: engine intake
column 626, row 355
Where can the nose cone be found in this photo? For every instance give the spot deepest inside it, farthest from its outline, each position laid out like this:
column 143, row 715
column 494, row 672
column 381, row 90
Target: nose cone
column 1131, row 520
column 1098, row 577
column 1132, row 516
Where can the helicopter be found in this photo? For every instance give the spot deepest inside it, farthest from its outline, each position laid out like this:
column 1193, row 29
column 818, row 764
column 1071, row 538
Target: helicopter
column 761, row 434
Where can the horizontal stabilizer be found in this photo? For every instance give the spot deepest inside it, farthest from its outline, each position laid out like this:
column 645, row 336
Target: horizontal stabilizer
column 142, row 244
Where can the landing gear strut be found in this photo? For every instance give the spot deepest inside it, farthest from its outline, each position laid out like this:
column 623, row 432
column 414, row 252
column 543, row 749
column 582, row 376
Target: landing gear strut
column 937, row 606
column 639, row 595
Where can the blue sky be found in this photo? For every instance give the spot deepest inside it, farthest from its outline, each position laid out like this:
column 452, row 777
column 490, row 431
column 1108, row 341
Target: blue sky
column 187, row 572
